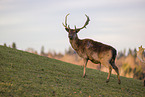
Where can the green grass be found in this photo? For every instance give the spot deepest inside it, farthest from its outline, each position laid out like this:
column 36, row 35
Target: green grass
column 25, row 74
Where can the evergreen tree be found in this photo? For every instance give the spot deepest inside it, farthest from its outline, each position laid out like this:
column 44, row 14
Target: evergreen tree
column 124, row 52
column 5, row 45
column 135, row 53
column 14, row 45
column 70, row 51
column 130, row 52
column 42, row 50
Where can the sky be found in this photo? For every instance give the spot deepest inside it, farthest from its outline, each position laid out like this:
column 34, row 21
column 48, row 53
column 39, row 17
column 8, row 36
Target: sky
column 37, row 23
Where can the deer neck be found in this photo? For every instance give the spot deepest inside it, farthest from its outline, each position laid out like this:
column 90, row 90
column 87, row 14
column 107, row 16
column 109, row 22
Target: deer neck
column 75, row 42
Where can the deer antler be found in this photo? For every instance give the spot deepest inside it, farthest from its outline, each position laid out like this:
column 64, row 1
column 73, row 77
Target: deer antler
column 65, row 22
column 87, row 22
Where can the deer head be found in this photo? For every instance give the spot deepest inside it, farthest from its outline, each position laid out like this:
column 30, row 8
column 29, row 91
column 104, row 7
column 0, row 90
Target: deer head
column 141, row 48
column 73, row 32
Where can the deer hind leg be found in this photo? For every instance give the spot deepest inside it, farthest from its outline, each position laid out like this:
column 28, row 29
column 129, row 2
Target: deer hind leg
column 116, row 70
column 85, row 64
column 108, row 78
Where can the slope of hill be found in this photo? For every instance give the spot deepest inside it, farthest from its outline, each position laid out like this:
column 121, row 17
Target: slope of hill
column 26, row 74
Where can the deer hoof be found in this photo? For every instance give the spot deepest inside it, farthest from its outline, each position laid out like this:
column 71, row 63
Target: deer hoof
column 84, row 75
column 107, row 81
column 119, row 82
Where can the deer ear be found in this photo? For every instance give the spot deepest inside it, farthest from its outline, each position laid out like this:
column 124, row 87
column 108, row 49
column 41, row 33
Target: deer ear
column 67, row 29
column 140, row 47
column 77, row 30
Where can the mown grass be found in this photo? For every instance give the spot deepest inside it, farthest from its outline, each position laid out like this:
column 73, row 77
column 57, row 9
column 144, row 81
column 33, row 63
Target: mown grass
column 25, row 74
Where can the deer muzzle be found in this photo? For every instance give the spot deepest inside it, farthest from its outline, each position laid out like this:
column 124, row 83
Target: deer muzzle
column 70, row 37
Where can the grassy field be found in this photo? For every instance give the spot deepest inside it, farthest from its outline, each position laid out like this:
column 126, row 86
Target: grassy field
column 26, row 74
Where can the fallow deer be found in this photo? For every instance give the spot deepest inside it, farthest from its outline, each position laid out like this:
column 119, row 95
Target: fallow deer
column 140, row 54
column 94, row 51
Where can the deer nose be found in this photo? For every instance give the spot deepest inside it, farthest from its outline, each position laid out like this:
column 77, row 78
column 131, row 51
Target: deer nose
column 70, row 37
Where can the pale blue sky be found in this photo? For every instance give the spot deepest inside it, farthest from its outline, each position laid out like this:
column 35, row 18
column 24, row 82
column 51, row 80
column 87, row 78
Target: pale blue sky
column 33, row 23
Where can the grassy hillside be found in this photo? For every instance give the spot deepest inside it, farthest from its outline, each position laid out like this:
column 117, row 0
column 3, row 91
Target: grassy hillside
column 26, row 74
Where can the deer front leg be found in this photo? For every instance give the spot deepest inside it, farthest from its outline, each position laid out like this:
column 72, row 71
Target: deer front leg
column 107, row 65
column 85, row 64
